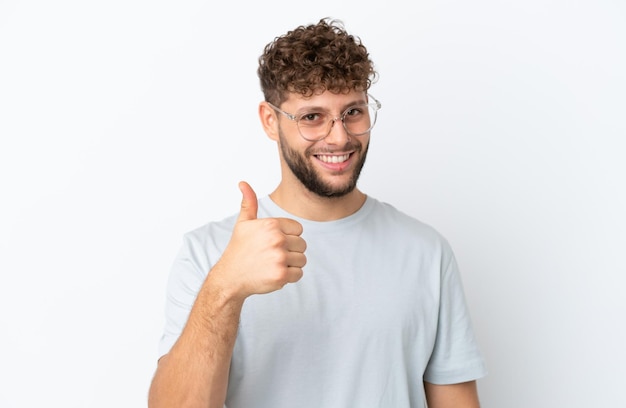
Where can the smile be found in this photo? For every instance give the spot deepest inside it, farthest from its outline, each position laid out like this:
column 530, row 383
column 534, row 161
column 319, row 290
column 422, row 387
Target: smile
column 333, row 159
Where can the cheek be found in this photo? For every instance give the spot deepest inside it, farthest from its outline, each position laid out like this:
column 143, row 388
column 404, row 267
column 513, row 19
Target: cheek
column 298, row 146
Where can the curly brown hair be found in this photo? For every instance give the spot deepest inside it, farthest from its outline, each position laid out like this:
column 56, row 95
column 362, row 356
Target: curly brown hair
column 312, row 59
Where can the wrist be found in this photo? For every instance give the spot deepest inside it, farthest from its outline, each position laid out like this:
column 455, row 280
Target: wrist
column 223, row 290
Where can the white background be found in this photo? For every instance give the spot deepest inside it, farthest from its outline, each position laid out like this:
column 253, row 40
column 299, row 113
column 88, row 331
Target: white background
column 124, row 124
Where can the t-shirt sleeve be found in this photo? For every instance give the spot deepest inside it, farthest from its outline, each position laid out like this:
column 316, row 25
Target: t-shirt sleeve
column 187, row 275
column 456, row 356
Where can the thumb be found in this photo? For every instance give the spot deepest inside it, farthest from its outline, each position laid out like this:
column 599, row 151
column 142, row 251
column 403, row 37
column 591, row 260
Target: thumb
column 249, row 203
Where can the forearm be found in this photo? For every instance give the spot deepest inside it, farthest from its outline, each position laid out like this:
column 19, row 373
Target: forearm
column 195, row 371
column 262, row 256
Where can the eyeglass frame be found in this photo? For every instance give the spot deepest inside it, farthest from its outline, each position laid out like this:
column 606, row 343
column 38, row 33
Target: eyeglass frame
column 376, row 105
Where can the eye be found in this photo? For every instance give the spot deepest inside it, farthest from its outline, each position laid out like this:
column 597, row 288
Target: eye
column 312, row 119
column 354, row 112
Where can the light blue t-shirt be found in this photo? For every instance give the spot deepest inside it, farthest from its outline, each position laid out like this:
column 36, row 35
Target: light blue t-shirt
column 380, row 309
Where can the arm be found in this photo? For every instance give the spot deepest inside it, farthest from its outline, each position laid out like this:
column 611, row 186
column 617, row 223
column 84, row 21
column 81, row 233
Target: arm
column 456, row 362
column 195, row 371
column 462, row 395
column 262, row 256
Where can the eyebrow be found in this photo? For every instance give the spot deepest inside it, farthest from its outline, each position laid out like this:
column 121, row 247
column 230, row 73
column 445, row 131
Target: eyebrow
column 305, row 109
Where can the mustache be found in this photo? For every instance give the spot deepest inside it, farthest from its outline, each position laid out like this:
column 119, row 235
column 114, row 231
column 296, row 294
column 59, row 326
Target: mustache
column 349, row 146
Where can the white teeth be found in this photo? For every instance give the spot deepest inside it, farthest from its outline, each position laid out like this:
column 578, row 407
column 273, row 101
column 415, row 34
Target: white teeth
column 334, row 159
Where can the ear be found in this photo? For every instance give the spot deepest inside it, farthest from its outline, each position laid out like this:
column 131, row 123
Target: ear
column 269, row 120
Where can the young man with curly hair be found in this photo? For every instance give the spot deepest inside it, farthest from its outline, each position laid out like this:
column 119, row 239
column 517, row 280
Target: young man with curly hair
column 377, row 318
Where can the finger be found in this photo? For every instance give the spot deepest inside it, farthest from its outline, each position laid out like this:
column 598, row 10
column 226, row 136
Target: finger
column 295, row 243
column 296, row 260
column 289, row 226
column 294, row 274
column 249, row 203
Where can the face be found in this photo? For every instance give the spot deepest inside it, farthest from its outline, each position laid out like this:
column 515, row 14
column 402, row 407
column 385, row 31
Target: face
column 329, row 167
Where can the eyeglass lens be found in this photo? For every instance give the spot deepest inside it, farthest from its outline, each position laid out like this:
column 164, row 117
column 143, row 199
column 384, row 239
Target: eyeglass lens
column 356, row 120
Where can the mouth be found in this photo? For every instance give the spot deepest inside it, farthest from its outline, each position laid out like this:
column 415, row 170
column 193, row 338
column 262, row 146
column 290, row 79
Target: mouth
column 333, row 159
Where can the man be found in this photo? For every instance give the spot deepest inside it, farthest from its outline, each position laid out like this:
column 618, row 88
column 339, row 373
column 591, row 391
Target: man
column 376, row 319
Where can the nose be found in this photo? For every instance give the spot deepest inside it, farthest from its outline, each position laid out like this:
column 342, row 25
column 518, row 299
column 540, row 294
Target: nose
column 337, row 133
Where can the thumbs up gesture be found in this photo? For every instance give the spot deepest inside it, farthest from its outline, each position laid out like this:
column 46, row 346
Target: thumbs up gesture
column 263, row 255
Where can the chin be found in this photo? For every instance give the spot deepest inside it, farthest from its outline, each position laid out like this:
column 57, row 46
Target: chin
column 330, row 190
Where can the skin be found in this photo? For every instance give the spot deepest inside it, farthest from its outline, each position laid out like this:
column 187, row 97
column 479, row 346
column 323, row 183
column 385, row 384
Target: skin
column 291, row 194
column 264, row 255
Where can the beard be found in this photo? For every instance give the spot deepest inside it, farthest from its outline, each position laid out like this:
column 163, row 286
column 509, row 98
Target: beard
column 304, row 171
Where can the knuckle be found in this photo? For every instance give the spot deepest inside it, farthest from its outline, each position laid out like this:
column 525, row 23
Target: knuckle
column 277, row 240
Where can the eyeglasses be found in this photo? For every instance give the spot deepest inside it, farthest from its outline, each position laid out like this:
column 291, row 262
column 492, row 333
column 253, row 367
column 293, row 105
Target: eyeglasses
column 314, row 126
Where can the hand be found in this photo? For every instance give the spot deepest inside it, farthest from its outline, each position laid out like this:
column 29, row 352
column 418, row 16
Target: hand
column 263, row 255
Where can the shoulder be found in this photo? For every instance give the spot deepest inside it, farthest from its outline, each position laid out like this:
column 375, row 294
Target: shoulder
column 217, row 233
column 389, row 216
column 204, row 245
column 211, row 232
column 398, row 231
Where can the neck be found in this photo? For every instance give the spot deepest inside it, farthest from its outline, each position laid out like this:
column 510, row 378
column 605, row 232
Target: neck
column 302, row 203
